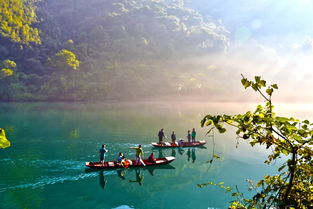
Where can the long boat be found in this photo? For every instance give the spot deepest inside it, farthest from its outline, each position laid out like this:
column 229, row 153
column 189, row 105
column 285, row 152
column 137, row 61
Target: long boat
column 131, row 163
column 174, row 145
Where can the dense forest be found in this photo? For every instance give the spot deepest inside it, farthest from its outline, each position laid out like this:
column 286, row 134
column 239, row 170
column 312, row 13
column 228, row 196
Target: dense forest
column 77, row 50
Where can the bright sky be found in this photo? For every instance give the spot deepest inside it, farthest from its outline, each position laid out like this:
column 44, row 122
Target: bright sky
column 270, row 38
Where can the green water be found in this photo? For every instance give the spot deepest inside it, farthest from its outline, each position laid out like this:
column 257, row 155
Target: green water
column 44, row 167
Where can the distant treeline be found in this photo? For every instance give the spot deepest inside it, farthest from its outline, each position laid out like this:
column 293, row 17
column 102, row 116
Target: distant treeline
column 78, row 50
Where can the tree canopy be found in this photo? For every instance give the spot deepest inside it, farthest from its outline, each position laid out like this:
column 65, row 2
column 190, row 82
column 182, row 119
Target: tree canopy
column 65, row 59
column 17, row 18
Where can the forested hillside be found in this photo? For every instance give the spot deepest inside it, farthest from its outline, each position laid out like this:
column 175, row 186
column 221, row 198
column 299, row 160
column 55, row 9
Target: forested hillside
column 78, row 50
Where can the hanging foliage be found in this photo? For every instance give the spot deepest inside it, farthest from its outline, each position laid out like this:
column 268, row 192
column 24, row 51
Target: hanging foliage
column 4, row 142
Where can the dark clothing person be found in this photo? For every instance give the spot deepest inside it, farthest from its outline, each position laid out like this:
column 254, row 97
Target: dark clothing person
column 120, row 157
column 189, row 136
column 102, row 151
column 161, row 136
column 193, row 135
column 173, row 136
column 151, row 158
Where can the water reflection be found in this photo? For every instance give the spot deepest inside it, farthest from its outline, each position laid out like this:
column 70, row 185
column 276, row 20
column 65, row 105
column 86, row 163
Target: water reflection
column 193, row 155
column 102, row 180
column 190, row 152
column 161, row 155
column 173, row 153
column 121, row 173
column 139, row 177
column 124, row 174
column 181, row 151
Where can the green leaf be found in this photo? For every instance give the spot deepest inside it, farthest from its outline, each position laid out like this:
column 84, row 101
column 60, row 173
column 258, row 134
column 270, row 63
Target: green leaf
column 282, row 119
column 291, row 127
column 222, row 130
column 254, row 87
column 275, row 86
column 269, row 91
column 262, row 83
column 285, row 152
column 209, row 122
column 257, row 79
column 245, row 83
column 216, row 156
column 281, row 168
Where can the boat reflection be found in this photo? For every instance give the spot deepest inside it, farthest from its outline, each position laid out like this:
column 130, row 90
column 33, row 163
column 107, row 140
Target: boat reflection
column 190, row 152
column 124, row 174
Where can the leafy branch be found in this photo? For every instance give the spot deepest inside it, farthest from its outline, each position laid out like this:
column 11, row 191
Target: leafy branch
column 287, row 136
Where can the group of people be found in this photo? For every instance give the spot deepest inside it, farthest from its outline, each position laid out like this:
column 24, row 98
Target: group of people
column 123, row 161
column 191, row 137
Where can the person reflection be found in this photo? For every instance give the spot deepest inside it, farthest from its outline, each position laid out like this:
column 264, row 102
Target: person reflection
column 193, row 155
column 139, row 177
column 180, row 151
column 173, row 152
column 160, row 154
column 102, row 180
column 188, row 154
column 121, row 173
column 151, row 170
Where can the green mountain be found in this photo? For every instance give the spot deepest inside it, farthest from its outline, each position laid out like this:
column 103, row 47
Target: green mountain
column 102, row 49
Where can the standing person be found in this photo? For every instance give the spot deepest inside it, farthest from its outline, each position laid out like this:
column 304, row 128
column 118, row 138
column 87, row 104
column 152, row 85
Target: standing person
column 161, row 136
column 173, row 137
column 189, row 136
column 102, row 151
column 193, row 135
column 139, row 155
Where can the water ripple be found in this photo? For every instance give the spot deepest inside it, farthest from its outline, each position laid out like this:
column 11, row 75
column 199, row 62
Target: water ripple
column 48, row 180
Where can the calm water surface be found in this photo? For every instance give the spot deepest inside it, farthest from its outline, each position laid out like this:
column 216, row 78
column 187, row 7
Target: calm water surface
column 44, row 167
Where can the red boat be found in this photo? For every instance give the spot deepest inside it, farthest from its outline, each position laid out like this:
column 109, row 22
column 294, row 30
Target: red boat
column 131, row 163
column 183, row 144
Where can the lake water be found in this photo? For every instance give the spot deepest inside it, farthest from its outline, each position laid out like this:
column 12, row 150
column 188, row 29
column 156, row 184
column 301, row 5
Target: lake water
column 44, row 167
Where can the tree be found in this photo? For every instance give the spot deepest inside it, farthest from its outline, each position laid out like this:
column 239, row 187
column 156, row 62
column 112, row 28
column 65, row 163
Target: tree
column 16, row 18
column 5, row 72
column 65, row 59
column 292, row 187
column 9, row 64
column 8, row 67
